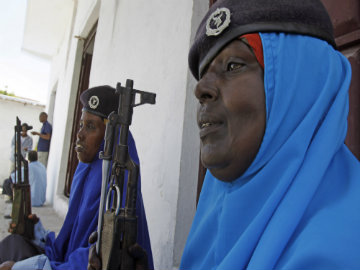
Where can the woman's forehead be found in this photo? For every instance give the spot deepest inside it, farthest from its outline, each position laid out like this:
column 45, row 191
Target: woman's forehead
column 88, row 116
column 230, row 19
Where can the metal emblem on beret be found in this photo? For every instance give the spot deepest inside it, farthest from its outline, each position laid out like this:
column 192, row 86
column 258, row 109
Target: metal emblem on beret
column 93, row 102
column 218, row 21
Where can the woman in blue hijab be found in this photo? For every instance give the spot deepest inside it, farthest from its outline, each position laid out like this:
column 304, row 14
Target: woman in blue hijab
column 282, row 190
column 70, row 249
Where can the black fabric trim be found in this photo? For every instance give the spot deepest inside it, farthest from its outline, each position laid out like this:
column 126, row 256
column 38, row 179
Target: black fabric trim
column 103, row 116
column 285, row 27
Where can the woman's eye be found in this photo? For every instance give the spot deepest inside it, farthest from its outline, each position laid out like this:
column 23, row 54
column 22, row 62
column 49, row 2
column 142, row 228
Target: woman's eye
column 90, row 126
column 234, row 66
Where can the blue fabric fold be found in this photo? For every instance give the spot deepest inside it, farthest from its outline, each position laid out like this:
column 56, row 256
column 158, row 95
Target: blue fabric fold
column 297, row 205
column 70, row 249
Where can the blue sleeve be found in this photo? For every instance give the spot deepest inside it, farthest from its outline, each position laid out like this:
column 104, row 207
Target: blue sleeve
column 40, row 234
column 40, row 262
column 30, row 144
column 47, row 129
column 78, row 259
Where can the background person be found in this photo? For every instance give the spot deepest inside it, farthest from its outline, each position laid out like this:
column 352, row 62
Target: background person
column 43, row 146
column 70, row 249
column 7, row 188
column 37, row 179
column 26, row 145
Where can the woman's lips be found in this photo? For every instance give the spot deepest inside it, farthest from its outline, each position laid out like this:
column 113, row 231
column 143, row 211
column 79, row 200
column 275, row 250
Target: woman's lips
column 79, row 148
column 208, row 123
column 208, row 128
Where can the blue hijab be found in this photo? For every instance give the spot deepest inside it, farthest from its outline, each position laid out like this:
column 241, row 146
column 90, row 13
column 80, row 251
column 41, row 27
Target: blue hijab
column 298, row 205
column 70, row 249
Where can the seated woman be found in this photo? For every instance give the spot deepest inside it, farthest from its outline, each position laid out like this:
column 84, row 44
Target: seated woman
column 282, row 189
column 70, row 249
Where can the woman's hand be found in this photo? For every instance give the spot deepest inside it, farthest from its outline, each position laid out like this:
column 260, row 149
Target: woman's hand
column 135, row 251
column 7, row 265
column 34, row 218
column 140, row 257
column 94, row 262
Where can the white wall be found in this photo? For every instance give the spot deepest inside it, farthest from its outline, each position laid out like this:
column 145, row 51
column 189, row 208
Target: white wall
column 28, row 112
column 61, row 80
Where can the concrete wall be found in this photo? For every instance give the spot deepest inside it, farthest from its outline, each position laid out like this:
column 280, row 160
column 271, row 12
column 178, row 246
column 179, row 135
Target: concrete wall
column 61, row 96
column 147, row 42
column 28, row 112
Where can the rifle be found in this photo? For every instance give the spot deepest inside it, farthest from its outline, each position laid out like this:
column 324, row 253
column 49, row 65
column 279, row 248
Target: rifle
column 117, row 224
column 21, row 207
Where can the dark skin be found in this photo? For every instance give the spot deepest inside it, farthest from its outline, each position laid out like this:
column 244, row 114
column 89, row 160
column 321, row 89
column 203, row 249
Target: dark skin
column 6, row 265
column 89, row 138
column 231, row 112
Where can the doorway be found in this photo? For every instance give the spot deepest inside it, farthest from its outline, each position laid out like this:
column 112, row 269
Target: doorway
column 86, row 61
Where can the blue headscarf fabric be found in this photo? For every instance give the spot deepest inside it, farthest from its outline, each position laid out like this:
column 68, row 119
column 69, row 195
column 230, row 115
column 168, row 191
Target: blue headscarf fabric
column 298, row 204
column 70, row 249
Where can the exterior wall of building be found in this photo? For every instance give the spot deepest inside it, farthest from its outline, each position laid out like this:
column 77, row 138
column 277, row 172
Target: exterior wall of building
column 28, row 112
column 63, row 85
column 147, row 42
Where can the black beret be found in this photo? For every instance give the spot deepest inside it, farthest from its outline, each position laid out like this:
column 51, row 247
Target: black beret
column 27, row 127
column 100, row 100
column 229, row 19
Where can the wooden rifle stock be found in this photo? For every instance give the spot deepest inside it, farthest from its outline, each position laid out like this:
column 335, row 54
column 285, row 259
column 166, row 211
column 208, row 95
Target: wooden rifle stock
column 21, row 207
column 117, row 224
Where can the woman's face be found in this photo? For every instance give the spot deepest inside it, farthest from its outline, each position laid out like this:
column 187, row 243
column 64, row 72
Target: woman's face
column 89, row 137
column 231, row 113
column 23, row 131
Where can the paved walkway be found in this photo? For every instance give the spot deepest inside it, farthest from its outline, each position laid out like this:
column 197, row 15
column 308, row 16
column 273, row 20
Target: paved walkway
column 50, row 220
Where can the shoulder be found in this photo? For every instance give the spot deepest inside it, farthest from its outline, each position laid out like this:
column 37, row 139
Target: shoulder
column 47, row 126
column 40, row 165
column 37, row 164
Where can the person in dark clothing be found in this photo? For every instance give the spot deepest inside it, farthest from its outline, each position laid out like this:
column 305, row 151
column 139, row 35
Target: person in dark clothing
column 43, row 146
column 7, row 187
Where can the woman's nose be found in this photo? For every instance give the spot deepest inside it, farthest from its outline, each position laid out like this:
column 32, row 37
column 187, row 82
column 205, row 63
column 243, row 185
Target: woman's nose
column 206, row 89
column 80, row 134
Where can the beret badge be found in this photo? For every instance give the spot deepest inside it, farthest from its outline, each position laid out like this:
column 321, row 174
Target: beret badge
column 218, row 21
column 94, row 102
